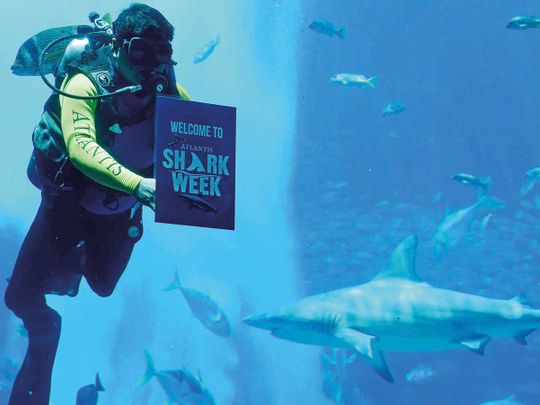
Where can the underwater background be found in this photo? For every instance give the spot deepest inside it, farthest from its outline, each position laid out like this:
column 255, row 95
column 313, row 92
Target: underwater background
column 326, row 188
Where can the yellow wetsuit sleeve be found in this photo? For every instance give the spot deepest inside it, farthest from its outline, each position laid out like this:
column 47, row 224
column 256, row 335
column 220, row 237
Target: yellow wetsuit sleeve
column 79, row 131
column 184, row 95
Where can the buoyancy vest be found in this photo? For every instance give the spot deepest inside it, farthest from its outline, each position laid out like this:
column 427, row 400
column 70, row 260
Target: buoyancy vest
column 131, row 115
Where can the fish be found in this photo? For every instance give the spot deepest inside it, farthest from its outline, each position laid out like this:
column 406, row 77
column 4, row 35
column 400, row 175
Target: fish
column 207, row 50
column 197, row 202
column 455, row 225
column 420, row 374
column 482, row 184
column 335, row 363
column 88, row 395
column 27, row 59
column 523, row 22
column 393, row 108
column 204, row 308
column 531, row 177
column 509, row 400
column 354, row 80
column 327, row 28
column 180, row 386
column 397, row 311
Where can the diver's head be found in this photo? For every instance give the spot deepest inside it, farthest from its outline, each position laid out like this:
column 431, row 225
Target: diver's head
column 142, row 43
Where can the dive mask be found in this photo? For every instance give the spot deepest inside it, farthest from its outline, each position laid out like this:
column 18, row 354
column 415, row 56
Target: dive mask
column 143, row 52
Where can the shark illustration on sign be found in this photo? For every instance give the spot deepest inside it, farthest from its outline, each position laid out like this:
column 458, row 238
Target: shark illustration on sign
column 396, row 311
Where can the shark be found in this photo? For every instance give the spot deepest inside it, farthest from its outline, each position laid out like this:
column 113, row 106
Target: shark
column 397, row 311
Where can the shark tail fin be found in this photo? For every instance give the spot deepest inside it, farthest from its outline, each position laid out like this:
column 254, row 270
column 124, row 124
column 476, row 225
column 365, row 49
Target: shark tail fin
column 150, row 369
column 372, row 81
column 520, row 337
column 99, row 386
column 176, row 284
column 526, row 188
column 341, row 32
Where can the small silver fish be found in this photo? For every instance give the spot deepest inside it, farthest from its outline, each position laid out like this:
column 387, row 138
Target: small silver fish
column 455, row 225
column 420, row 374
column 354, row 80
column 88, row 395
column 524, row 22
column 532, row 176
column 480, row 183
column 206, row 51
column 327, row 28
column 393, row 108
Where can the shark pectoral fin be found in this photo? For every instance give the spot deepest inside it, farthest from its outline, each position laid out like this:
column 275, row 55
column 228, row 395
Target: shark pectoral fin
column 357, row 340
column 476, row 344
column 520, row 337
column 362, row 343
column 378, row 362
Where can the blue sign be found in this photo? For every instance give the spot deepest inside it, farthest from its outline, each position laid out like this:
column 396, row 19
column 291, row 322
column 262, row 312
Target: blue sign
column 195, row 163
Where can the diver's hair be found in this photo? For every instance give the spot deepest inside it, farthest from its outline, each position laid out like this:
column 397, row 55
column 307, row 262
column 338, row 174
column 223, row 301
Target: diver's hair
column 140, row 20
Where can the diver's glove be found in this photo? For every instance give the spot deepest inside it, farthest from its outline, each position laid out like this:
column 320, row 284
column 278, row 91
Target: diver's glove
column 146, row 192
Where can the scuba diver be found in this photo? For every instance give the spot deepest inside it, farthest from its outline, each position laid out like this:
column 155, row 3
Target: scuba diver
column 93, row 161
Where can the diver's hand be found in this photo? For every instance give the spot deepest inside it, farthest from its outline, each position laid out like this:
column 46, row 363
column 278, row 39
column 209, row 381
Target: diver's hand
column 146, row 192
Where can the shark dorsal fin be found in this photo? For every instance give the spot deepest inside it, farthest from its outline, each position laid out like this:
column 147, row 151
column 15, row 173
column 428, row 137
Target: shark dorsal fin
column 402, row 262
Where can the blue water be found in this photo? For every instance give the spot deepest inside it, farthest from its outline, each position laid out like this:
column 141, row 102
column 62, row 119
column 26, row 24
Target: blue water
column 326, row 188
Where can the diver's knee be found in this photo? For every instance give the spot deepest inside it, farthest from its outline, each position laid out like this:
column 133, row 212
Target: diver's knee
column 103, row 291
column 13, row 301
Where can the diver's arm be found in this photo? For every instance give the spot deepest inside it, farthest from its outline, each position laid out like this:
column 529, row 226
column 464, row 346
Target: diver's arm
column 78, row 128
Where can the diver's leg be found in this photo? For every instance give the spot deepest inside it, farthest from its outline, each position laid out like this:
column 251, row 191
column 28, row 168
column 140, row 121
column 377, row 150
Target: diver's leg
column 40, row 256
column 32, row 386
column 108, row 249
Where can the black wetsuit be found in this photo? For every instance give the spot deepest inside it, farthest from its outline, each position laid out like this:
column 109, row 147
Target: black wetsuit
column 52, row 259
